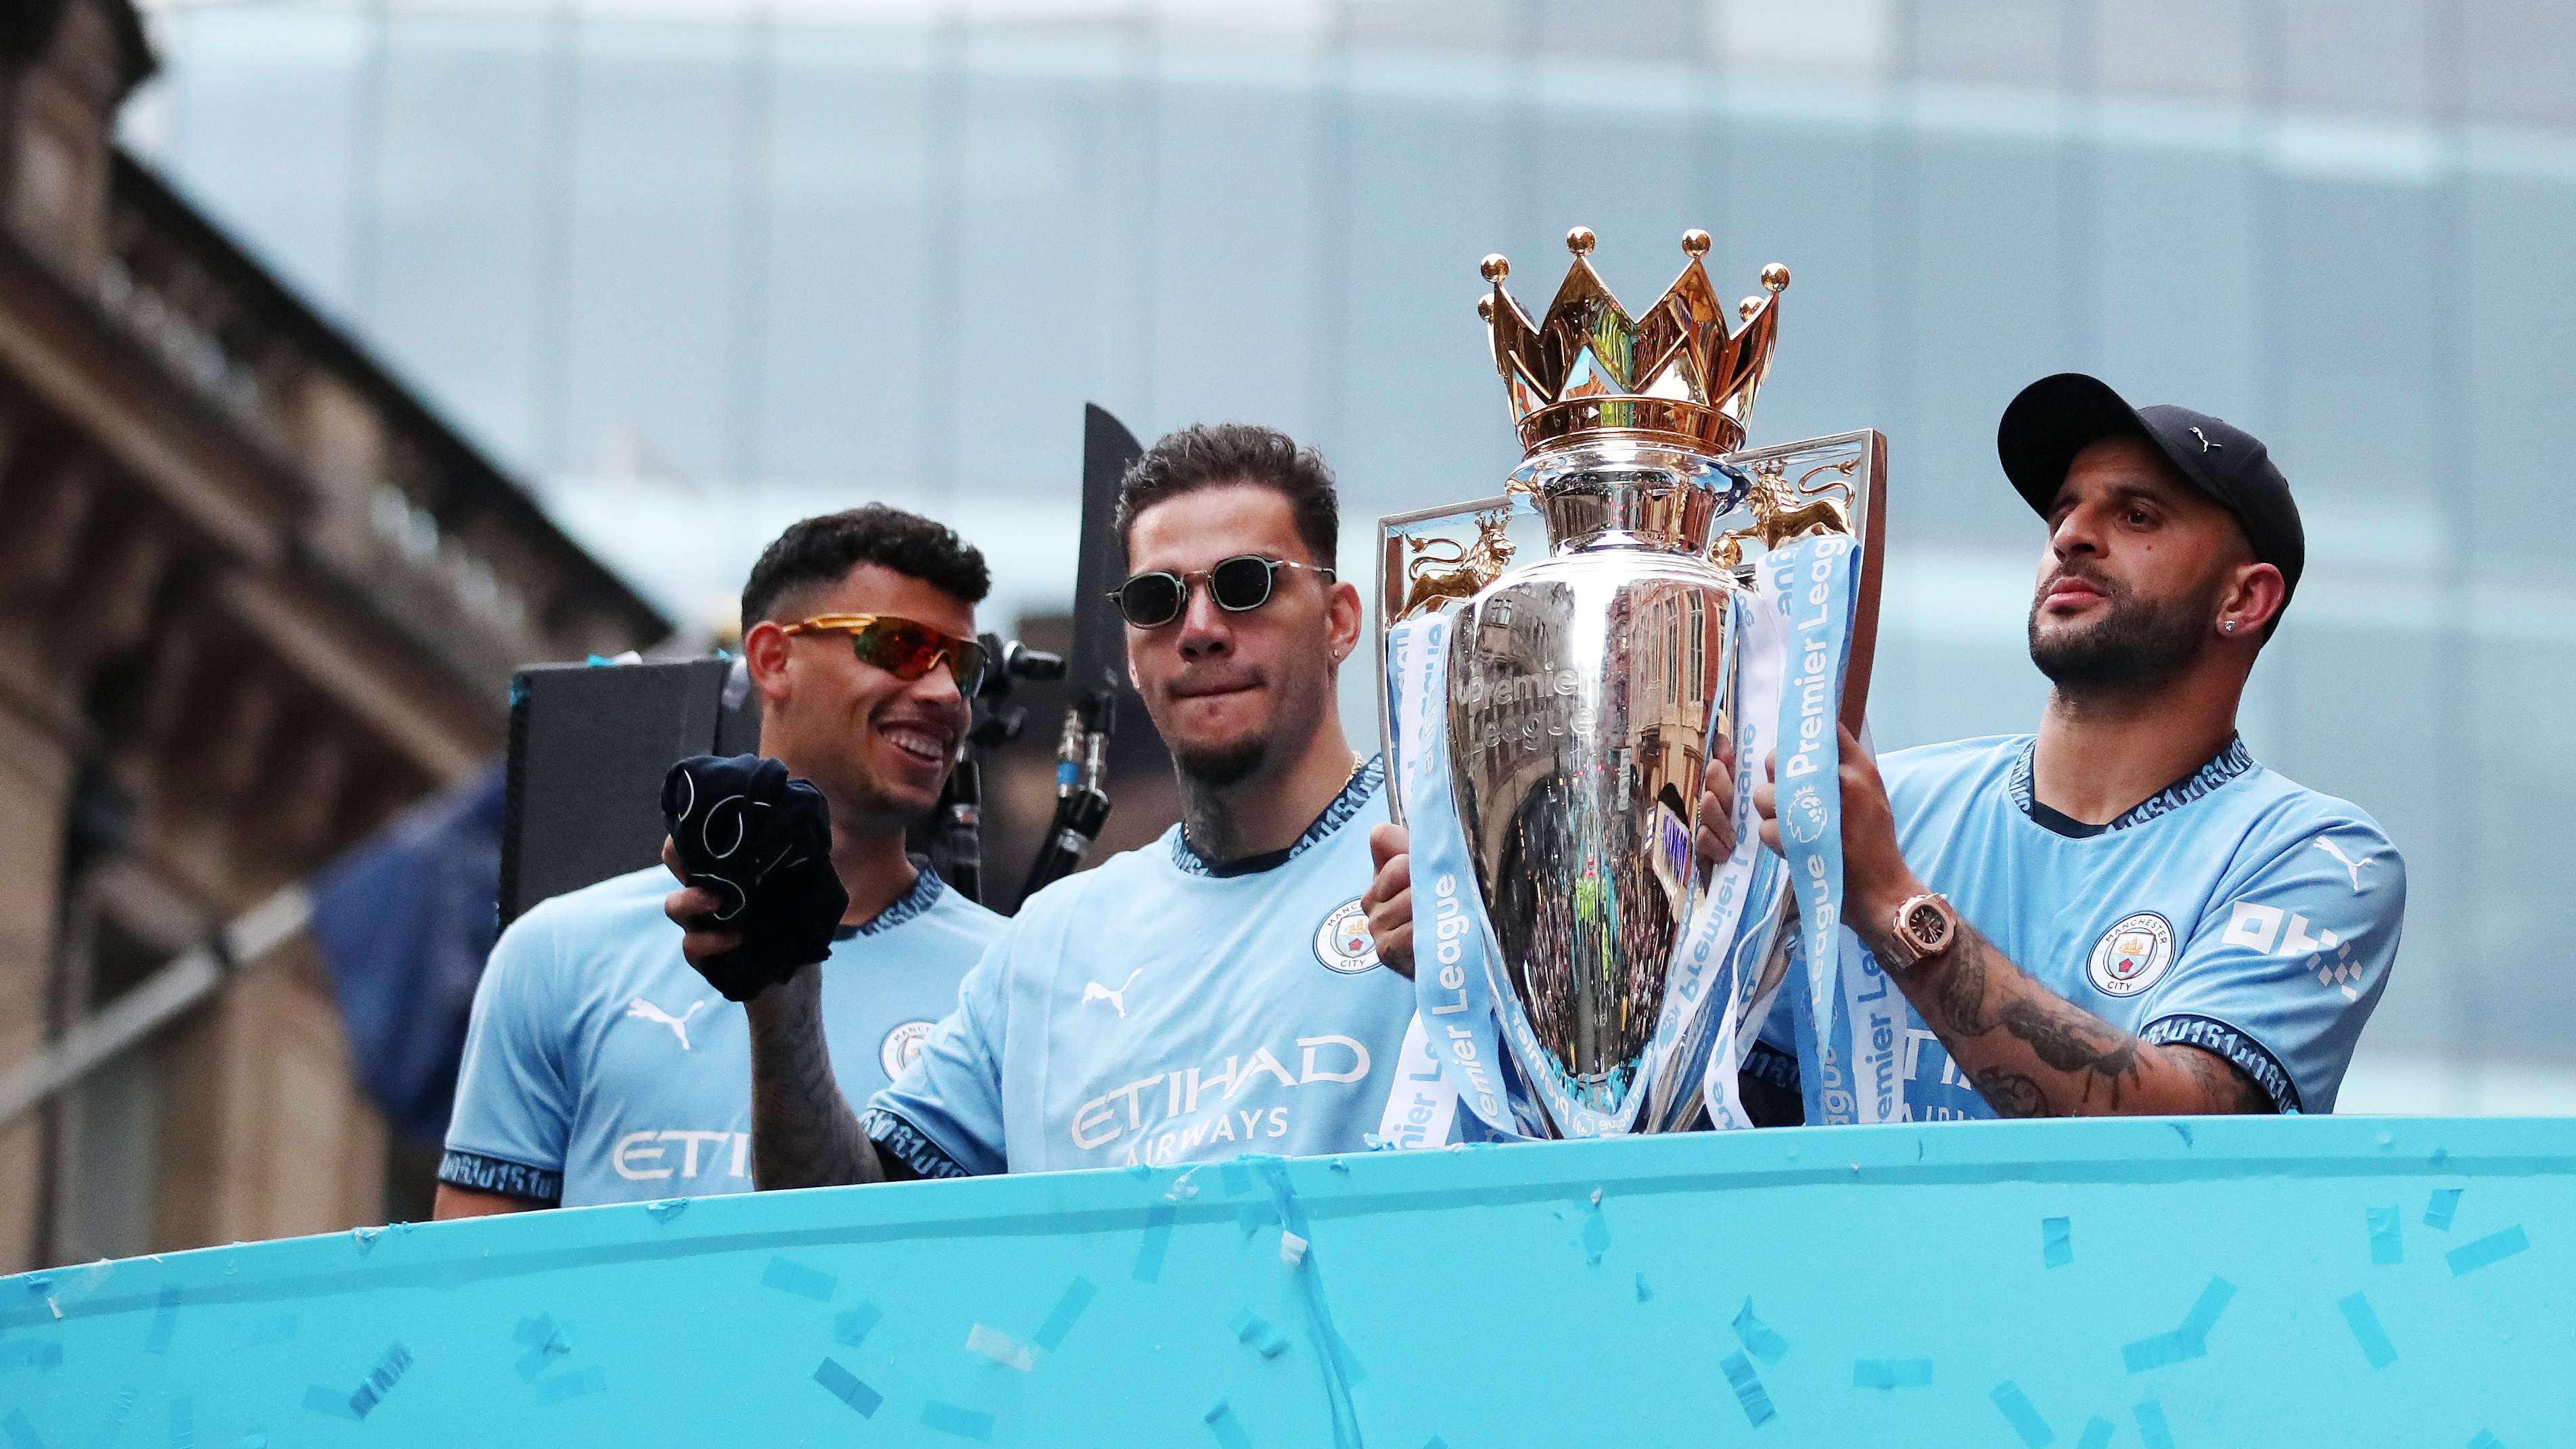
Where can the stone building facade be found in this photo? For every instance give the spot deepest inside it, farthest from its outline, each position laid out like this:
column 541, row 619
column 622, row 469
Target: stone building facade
column 254, row 598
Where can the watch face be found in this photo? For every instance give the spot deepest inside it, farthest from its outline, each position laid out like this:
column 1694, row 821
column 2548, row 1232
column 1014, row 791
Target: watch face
column 1929, row 926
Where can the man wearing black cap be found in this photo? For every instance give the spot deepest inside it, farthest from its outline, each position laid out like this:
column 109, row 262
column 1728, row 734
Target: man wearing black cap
column 2138, row 917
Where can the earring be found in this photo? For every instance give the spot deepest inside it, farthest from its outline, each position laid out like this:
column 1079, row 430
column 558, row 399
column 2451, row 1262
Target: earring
column 2229, row 626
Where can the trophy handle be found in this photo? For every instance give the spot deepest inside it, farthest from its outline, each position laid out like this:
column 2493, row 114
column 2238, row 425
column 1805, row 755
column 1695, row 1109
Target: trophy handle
column 1428, row 559
column 1833, row 483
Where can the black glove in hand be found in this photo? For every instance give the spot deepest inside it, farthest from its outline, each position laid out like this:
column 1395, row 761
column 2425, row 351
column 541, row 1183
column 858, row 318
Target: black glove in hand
column 762, row 844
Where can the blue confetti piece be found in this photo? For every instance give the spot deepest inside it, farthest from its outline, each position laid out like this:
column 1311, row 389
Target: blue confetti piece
column 183, row 1423
column 2181, row 1130
column 1258, row 1334
column 2152, row 1429
column 1069, row 1305
column 852, row 1328
column 2493, row 1248
column 796, row 1278
column 2204, row 1313
column 1596, row 1233
column 577, row 1384
column 2022, row 1415
column 2443, row 1206
column 951, row 1419
column 2161, row 1351
column 1158, row 1239
column 844, row 1385
column 667, row 1209
column 22, row 1434
column 2097, row 1433
column 1226, row 1427
column 534, row 1332
column 330, row 1403
column 2486, row 1440
column 1644, row 1293
column 2366, row 1331
column 381, row 1380
column 165, row 1320
column 1435, row 1442
column 2387, row 1242
column 1892, row 1373
column 2056, row 1242
column 1749, row 1393
column 1757, row 1336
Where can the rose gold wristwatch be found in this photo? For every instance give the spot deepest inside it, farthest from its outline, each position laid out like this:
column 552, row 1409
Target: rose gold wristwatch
column 1925, row 926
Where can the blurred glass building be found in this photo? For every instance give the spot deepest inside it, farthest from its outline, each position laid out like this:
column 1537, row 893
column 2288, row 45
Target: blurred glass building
column 703, row 267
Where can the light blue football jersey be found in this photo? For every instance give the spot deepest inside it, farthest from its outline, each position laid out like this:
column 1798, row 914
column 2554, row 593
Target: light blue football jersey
column 1159, row 1009
column 2235, row 911
column 599, row 1067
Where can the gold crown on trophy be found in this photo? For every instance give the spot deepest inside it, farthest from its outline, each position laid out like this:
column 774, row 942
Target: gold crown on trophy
column 1677, row 376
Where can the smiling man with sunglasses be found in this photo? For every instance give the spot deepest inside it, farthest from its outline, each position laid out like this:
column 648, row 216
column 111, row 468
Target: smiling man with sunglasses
column 600, row 1066
column 1213, row 992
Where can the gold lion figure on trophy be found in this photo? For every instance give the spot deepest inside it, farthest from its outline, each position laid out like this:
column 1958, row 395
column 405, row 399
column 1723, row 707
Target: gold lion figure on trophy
column 1437, row 578
column 1782, row 511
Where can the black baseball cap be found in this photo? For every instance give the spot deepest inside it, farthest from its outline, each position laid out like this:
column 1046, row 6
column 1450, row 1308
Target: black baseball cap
column 2054, row 418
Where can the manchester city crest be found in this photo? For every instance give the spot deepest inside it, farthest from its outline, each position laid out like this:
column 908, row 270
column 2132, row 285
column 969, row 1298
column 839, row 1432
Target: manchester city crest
column 1342, row 942
column 900, row 1046
column 2133, row 955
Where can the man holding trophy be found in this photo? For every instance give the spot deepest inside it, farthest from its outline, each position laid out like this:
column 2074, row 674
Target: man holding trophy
column 2123, row 913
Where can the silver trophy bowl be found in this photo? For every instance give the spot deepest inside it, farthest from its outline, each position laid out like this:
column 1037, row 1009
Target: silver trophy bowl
column 1587, row 694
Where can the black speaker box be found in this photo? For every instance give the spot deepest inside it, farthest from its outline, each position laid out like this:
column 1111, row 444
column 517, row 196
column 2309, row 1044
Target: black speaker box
column 589, row 745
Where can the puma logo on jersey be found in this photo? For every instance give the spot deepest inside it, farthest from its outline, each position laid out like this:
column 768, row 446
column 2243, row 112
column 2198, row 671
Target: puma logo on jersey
column 1094, row 991
column 2351, row 866
column 679, row 1024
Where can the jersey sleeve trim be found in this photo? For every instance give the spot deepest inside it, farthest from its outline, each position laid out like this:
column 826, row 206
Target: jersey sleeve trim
column 910, row 1145
column 2244, row 1052
column 482, row 1173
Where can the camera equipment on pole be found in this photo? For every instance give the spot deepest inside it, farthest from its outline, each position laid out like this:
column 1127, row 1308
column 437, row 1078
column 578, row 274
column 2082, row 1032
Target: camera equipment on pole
column 958, row 845
column 1099, row 645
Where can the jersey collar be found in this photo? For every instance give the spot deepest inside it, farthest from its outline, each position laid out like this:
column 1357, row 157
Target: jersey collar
column 1364, row 782
column 926, row 890
column 2220, row 768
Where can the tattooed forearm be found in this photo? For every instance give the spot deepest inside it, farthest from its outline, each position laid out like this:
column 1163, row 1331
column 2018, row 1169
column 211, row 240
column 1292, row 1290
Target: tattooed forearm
column 2223, row 1080
column 803, row 1133
column 2032, row 1053
column 2012, row 1094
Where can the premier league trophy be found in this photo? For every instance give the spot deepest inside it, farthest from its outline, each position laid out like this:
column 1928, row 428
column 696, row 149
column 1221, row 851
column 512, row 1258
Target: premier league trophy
column 1550, row 726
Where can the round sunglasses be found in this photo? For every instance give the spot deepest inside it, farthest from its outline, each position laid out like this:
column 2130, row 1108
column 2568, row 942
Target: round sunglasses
column 904, row 648
column 1238, row 584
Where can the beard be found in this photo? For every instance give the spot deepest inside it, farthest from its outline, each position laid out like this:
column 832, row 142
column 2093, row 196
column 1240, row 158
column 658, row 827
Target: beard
column 2132, row 644
column 1222, row 765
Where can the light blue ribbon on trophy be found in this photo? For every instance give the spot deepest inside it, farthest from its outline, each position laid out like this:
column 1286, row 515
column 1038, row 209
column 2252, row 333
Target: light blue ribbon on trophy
column 1453, row 948
column 1850, row 1019
column 1740, row 911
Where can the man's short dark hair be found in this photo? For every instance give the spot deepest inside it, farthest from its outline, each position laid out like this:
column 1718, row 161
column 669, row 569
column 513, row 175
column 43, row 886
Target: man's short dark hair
column 1212, row 455
column 820, row 552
